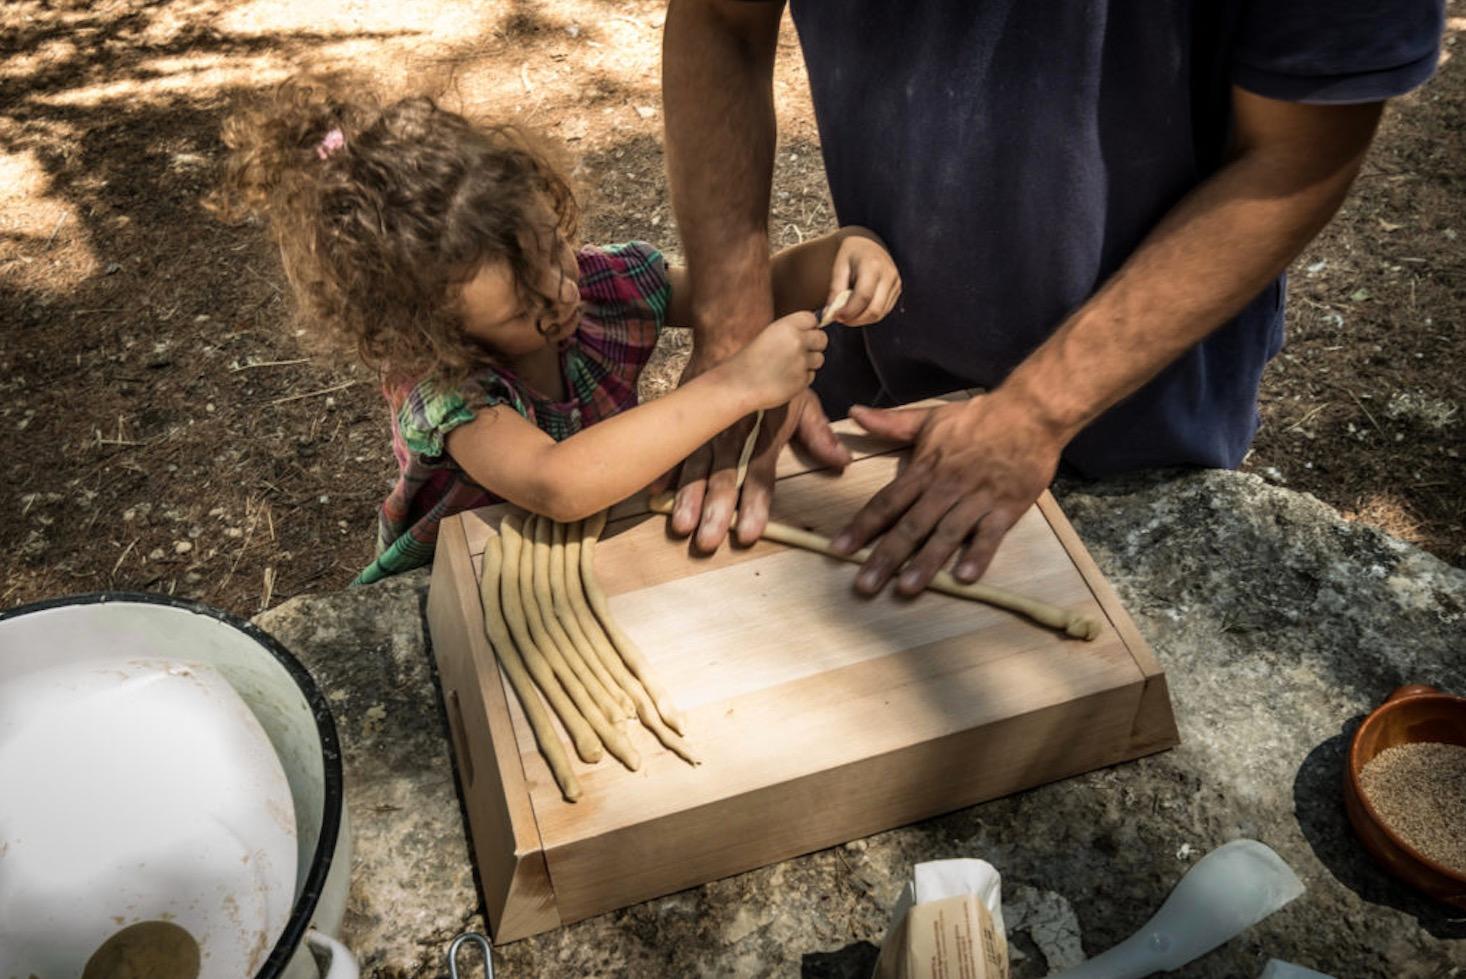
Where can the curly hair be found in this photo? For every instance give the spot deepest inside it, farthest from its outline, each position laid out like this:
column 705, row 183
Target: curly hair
column 381, row 214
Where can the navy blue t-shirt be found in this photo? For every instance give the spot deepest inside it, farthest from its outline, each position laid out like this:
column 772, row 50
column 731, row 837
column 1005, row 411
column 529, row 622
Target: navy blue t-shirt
column 1013, row 154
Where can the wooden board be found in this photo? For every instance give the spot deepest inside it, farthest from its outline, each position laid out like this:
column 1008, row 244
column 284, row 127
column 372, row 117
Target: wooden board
column 821, row 716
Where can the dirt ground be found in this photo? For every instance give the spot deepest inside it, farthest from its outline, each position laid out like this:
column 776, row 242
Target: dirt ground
column 167, row 428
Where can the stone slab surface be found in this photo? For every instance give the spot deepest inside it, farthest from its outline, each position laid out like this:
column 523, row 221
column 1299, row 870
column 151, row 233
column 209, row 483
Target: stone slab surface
column 1279, row 626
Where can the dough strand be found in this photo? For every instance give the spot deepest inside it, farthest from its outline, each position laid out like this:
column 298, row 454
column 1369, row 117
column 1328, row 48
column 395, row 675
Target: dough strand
column 570, row 625
column 1071, row 623
column 827, row 316
column 497, row 630
column 587, row 745
column 632, row 656
column 601, row 645
column 533, row 575
column 543, row 536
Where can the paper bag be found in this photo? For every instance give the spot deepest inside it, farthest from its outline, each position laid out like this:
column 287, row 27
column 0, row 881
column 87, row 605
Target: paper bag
column 948, row 924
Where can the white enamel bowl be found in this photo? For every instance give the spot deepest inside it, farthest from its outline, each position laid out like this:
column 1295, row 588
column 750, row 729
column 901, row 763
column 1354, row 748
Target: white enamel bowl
column 170, row 794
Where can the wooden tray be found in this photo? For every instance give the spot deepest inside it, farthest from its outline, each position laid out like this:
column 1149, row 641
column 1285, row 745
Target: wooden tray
column 821, row 717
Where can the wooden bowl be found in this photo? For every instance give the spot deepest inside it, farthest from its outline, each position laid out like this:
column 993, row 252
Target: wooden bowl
column 1411, row 714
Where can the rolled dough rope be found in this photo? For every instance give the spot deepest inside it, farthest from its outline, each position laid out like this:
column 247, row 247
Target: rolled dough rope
column 497, row 629
column 610, row 736
column 1071, row 623
column 587, row 745
column 601, row 644
column 827, row 316
column 544, row 531
column 565, row 612
column 632, row 656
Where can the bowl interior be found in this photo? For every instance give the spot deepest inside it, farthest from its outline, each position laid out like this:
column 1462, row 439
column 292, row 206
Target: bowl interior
column 126, row 630
column 277, row 690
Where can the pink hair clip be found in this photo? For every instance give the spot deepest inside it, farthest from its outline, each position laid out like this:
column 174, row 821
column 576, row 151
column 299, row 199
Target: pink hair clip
column 330, row 143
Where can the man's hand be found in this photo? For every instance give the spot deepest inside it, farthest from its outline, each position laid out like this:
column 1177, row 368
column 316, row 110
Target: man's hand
column 976, row 468
column 708, row 494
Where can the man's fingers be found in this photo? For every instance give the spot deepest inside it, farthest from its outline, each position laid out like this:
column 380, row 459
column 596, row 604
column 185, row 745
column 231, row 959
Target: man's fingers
column 758, row 488
column 721, row 497
column 756, row 497
column 979, row 554
column 882, row 509
column 905, row 538
column 816, row 435
column 943, row 543
column 692, row 484
column 900, row 425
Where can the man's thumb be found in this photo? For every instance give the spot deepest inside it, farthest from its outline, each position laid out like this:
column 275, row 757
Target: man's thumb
column 900, row 425
column 818, row 438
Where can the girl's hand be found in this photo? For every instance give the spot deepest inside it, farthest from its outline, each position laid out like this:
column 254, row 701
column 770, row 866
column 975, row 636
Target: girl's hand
column 781, row 361
column 864, row 267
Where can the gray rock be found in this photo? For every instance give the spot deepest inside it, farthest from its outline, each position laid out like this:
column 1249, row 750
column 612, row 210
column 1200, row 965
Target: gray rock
column 1279, row 626
column 412, row 886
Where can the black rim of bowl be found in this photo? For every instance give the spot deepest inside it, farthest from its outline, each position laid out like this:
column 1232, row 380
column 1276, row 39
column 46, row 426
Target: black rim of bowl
column 304, row 908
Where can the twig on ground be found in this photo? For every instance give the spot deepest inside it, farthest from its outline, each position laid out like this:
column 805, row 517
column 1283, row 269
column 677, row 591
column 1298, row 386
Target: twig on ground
column 313, row 394
column 1372, row 421
column 59, row 222
column 254, row 272
column 126, row 551
column 1306, row 418
column 249, row 529
column 268, row 363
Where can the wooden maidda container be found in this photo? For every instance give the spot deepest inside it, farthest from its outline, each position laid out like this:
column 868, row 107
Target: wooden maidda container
column 821, row 716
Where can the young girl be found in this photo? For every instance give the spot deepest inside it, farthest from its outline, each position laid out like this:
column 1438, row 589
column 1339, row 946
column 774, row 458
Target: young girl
column 445, row 253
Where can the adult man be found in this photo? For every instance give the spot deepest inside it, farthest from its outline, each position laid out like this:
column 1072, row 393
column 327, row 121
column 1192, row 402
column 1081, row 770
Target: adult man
column 1090, row 203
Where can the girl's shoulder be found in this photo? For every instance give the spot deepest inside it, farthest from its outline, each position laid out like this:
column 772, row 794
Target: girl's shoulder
column 425, row 410
column 627, row 280
column 625, row 294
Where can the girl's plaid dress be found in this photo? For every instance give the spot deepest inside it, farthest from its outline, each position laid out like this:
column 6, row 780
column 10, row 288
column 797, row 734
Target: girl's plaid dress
column 624, row 294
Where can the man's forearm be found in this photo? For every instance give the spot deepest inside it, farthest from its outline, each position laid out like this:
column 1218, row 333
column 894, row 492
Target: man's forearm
column 717, row 90
column 1211, row 254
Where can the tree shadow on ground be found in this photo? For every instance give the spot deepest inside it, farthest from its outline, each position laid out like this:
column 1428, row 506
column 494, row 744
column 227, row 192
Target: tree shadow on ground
column 146, row 434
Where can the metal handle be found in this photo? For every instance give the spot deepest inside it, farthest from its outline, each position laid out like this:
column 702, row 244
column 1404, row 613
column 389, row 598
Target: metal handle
column 459, row 942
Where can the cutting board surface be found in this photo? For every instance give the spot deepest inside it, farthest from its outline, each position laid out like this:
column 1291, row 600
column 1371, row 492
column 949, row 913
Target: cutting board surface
column 784, row 669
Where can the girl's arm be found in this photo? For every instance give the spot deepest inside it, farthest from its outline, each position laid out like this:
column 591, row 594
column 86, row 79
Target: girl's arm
column 813, row 273
column 609, row 461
